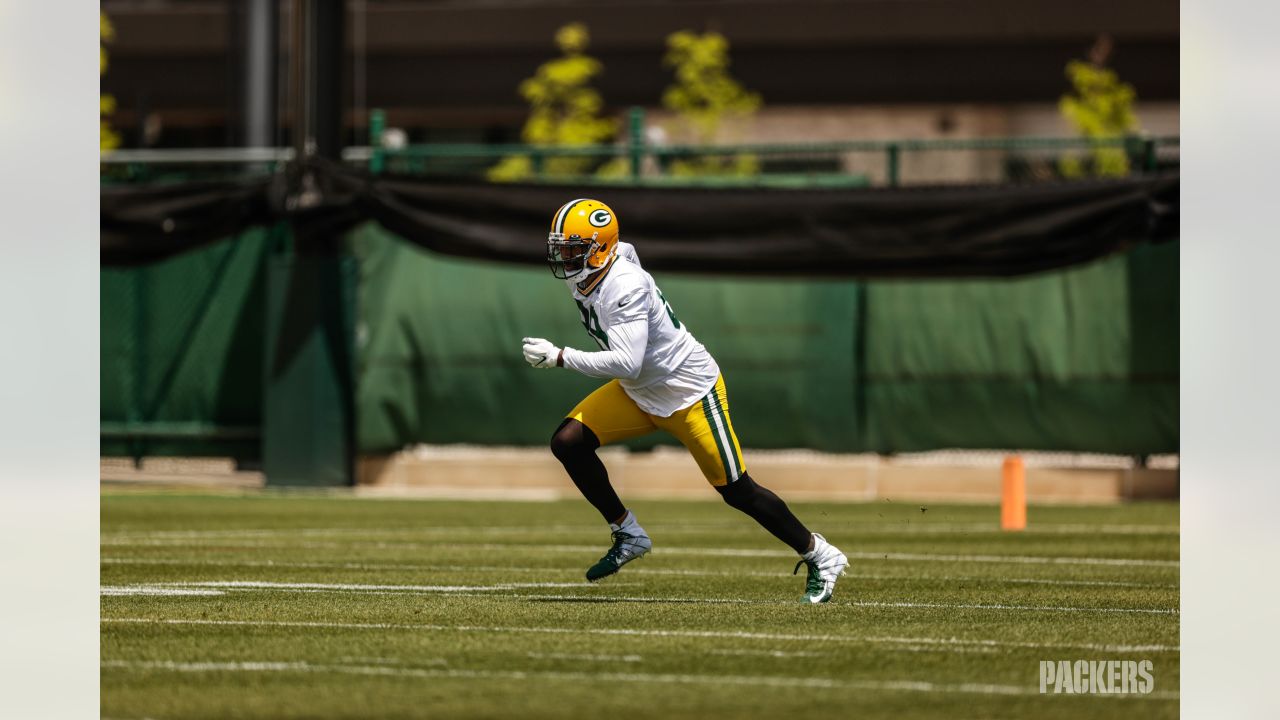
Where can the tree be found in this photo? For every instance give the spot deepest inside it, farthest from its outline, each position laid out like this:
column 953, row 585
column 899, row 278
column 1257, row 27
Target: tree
column 703, row 96
column 1100, row 106
column 107, row 138
column 564, row 109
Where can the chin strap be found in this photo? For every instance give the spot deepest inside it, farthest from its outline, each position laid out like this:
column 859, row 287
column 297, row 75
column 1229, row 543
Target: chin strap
column 590, row 272
column 592, row 250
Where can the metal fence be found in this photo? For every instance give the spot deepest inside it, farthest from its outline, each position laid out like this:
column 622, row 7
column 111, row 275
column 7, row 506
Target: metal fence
column 848, row 163
column 634, row 160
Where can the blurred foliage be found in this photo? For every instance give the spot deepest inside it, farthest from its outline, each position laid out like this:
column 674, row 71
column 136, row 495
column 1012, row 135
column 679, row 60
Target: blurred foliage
column 702, row 97
column 564, row 110
column 704, row 93
column 1100, row 106
column 107, row 138
column 615, row 168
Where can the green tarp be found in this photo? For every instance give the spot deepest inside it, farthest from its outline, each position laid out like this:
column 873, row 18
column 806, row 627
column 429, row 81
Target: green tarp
column 1084, row 359
column 181, row 352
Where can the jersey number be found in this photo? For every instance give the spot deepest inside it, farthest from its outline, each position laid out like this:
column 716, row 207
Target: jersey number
column 591, row 322
column 670, row 313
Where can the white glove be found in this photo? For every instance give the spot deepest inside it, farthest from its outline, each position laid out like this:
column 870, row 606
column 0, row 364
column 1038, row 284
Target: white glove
column 540, row 353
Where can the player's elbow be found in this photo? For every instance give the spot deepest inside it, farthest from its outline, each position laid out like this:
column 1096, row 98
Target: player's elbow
column 631, row 368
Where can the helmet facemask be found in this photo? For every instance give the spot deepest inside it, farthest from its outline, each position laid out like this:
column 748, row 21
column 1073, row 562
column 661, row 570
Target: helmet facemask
column 568, row 257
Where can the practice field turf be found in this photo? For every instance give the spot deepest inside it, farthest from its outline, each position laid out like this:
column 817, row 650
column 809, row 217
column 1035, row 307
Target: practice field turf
column 304, row 606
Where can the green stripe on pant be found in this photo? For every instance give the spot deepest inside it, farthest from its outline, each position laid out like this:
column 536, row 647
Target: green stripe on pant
column 728, row 433
column 715, row 434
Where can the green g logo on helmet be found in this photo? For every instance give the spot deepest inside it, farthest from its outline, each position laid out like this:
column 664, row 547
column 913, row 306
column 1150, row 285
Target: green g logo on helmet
column 600, row 218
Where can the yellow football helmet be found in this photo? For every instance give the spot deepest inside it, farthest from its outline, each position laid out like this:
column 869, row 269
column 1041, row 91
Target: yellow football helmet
column 584, row 235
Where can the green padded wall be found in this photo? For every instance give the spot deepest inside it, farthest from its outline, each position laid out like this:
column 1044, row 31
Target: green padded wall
column 181, row 351
column 1083, row 359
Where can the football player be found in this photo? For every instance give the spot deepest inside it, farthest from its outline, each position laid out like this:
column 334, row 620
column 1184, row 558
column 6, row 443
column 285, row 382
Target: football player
column 661, row 378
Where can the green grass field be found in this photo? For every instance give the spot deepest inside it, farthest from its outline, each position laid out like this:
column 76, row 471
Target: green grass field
column 304, row 606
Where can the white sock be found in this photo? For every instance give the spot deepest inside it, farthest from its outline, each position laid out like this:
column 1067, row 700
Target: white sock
column 628, row 524
column 818, row 542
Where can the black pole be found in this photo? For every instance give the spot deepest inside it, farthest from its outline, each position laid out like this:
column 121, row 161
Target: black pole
column 328, row 21
column 309, row 386
column 259, row 31
column 300, row 94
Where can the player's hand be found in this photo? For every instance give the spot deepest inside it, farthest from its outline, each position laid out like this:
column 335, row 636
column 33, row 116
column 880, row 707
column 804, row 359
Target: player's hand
column 540, row 353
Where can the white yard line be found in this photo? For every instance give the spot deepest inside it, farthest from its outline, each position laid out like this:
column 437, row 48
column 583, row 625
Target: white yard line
column 852, row 529
column 591, row 597
column 998, row 606
column 114, row 590
column 266, row 585
column 342, row 532
column 963, row 650
column 869, row 576
column 626, row 632
column 1036, row 581
column 494, row 591
column 210, row 666
column 770, row 653
column 393, row 661
column 1016, row 559
column 391, row 567
column 589, row 658
column 855, row 603
column 774, row 681
column 696, row 551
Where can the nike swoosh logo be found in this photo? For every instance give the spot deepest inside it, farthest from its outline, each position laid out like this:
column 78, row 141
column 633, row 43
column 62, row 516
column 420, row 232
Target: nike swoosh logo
column 624, row 302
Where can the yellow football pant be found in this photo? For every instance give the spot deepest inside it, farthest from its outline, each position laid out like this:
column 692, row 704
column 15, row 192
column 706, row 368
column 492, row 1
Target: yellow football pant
column 704, row 427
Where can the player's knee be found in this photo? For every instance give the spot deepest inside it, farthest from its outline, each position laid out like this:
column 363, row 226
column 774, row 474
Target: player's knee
column 572, row 439
column 564, row 444
column 740, row 493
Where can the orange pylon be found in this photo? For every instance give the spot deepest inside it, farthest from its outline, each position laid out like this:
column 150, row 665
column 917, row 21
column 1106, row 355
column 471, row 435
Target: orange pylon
column 1013, row 494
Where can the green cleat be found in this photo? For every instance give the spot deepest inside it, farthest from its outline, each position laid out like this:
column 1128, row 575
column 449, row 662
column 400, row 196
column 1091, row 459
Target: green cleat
column 826, row 564
column 625, row 548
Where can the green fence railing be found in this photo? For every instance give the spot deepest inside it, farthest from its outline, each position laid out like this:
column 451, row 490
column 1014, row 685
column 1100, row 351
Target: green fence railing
column 839, row 163
column 636, row 160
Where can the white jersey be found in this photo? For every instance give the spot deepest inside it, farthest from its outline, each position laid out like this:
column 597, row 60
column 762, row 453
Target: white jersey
column 641, row 342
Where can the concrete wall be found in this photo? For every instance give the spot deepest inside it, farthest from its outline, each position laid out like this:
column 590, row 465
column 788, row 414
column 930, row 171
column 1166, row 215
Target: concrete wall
column 520, row 473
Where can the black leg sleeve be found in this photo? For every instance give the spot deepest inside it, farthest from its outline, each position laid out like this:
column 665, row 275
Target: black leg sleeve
column 574, row 445
column 767, row 509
